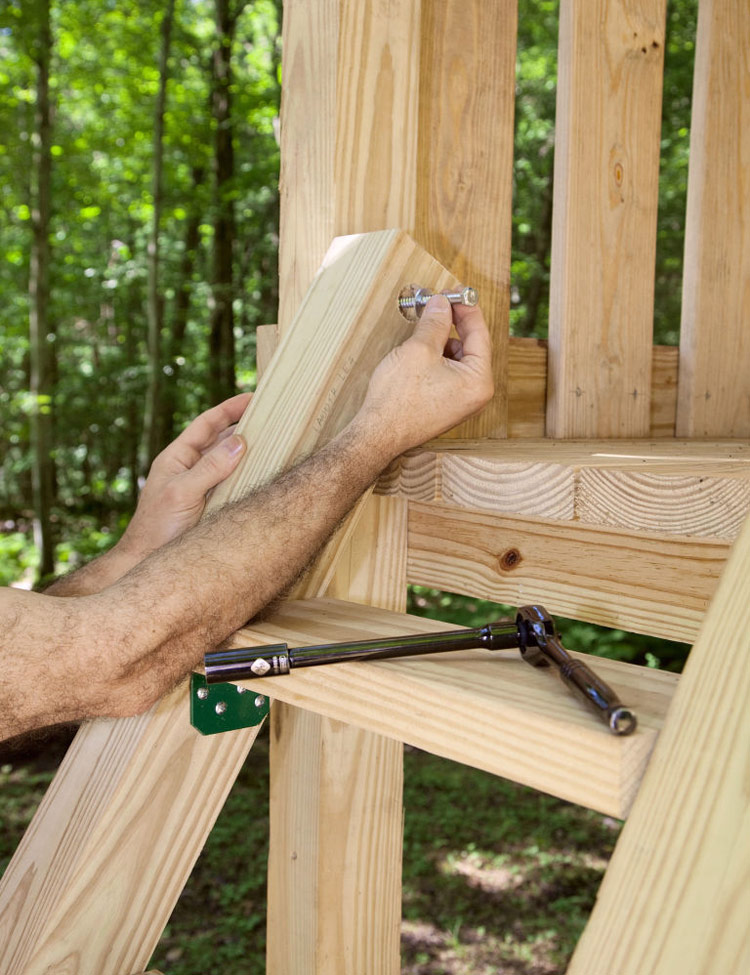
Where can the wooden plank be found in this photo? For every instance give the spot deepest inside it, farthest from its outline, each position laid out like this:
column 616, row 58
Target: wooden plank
column 664, row 367
column 527, row 388
column 465, row 181
column 349, row 130
column 351, row 307
column 336, row 801
column 604, row 226
column 688, row 488
column 643, row 582
column 714, row 393
column 682, row 860
column 267, row 340
column 107, row 854
column 372, row 569
column 488, row 710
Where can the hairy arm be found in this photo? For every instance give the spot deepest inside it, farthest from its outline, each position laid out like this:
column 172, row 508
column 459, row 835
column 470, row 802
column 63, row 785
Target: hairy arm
column 117, row 651
column 173, row 497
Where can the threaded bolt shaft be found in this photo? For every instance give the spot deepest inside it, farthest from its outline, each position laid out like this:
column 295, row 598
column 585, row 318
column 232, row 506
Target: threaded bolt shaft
column 419, row 297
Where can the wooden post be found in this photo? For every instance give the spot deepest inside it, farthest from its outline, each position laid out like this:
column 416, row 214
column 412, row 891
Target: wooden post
column 714, row 389
column 334, row 873
column 604, row 225
column 675, row 897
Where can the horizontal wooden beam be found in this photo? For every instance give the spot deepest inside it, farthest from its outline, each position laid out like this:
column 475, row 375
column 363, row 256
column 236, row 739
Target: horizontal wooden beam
column 488, row 710
column 642, row 582
column 527, row 388
column 684, row 488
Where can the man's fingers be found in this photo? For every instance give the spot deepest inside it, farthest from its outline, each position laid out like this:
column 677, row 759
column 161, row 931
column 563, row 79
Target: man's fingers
column 472, row 330
column 434, row 325
column 204, row 429
column 214, row 466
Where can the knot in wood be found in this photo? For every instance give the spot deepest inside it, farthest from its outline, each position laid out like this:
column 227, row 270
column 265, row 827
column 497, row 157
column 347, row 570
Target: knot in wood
column 510, row 559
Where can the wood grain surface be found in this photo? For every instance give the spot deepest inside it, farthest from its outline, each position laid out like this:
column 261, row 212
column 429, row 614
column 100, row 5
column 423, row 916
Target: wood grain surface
column 681, row 862
column 607, row 138
column 714, row 392
column 642, row 582
column 488, row 710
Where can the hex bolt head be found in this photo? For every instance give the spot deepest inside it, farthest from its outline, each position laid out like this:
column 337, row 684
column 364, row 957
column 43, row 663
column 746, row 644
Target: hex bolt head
column 241, row 689
column 260, row 701
column 202, row 693
column 221, row 707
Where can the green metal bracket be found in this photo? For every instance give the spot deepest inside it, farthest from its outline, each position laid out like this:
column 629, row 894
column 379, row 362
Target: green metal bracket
column 224, row 707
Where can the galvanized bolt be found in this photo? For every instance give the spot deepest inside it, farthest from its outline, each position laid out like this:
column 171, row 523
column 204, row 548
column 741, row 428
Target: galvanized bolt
column 221, row 707
column 412, row 300
column 260, row 701
column 241, row 689
column 202, row 693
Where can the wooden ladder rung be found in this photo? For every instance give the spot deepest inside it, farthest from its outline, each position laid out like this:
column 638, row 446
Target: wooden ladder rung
column 486, row 709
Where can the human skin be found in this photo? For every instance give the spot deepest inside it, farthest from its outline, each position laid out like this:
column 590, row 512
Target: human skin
column 128, row 629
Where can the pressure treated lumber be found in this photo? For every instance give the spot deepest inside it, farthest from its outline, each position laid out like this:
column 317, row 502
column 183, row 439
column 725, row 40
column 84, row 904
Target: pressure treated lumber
column 107, row 854
column 348, row 130
column 647, row 583
column 490, row 711
column 464, row 187
column 607, row 138
column 689, row 488
column 680, row 865
column 350, row 310
column 334, row 876
column 714, row 394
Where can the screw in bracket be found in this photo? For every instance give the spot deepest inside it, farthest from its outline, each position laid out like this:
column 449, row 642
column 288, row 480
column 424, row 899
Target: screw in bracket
column 221, row 707
column 202, row 693
column 412, row 299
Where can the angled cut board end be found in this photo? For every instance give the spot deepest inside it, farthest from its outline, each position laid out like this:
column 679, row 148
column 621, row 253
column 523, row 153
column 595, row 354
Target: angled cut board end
column 348, row 320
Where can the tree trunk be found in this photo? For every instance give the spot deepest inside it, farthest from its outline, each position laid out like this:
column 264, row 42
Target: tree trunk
column 182, row 306
column 153, row 427
column 41, row 338
column 221, row 341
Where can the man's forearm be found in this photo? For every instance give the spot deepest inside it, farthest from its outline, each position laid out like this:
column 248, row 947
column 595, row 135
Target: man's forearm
column 134, row 640
column 96, row 575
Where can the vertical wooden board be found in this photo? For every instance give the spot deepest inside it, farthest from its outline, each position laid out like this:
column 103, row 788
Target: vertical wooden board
column 349, row 129
column 372, row 569
column 99, row 870
column 334, row 872
column 465, row 175
column 308, row 139
column 376, row 119
column 604, row 219
column 266, row 342
column 714, row 384
column 675, row 897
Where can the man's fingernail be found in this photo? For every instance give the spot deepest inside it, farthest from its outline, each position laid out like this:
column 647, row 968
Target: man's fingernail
column 234, row 445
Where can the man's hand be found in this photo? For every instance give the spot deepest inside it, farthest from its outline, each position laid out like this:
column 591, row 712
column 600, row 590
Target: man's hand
column 431, row 382
column 173, row 497
column 183, row 475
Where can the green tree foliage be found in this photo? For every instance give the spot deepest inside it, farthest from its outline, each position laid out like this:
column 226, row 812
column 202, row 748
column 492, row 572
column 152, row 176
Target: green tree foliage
column 105, row 84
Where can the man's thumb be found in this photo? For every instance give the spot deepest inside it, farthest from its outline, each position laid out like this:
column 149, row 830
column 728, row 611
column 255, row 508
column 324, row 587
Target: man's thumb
column 435, row 322
column 217, row 463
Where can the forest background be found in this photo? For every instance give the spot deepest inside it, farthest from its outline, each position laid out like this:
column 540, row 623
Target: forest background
column 139, row 216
